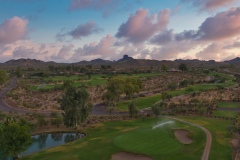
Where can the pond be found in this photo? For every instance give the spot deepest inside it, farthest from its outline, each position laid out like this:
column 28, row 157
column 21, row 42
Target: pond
column 45, row 141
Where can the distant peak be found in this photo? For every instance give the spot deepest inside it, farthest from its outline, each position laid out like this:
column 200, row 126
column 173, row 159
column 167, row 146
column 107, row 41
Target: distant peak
column 125, row 57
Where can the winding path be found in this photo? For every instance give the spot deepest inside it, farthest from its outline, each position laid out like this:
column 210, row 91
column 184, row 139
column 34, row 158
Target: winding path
column 207, row 148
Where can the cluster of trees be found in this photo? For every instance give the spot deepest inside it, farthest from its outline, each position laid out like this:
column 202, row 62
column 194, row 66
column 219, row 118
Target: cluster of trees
column 183, row 67
column 119, row 85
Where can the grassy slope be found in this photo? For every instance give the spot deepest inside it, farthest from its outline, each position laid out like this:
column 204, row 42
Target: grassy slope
column 135, row 136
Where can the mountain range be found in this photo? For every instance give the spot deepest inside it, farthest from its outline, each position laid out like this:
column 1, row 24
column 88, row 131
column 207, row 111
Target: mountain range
column 125, row 62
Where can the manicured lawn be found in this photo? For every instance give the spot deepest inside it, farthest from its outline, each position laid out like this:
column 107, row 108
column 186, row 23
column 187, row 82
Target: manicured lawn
column 230, row 114
column 222, row 104
column 134, row 136
column 221, row 148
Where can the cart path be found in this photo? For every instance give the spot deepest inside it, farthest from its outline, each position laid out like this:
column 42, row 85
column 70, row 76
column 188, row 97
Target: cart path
column 207, row 148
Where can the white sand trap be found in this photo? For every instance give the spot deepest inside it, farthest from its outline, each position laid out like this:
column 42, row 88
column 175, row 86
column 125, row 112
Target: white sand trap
column 129, row 156
column 182, row 136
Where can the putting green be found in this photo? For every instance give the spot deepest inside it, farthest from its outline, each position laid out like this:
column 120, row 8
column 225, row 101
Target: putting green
column 149, row 141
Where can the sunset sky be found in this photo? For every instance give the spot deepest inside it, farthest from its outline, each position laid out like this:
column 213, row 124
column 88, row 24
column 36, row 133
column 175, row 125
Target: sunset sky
column 76, row 30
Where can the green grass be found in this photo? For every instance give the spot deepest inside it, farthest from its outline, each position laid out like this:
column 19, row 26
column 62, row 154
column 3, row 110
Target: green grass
column 230, row 114
column 221, row 148
column 82, row 80
column 222, row 104
column 134, row 136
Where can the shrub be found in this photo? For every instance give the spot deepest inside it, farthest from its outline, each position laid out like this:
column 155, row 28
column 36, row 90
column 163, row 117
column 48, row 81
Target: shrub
column 57, row 121
column 172, row 86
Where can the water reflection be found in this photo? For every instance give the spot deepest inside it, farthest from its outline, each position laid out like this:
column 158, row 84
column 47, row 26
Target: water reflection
column 44, row 141
column 57, row 137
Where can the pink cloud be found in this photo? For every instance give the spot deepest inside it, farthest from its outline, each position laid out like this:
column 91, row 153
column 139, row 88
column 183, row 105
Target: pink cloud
column 221, row 26
column 102, row 49
column 64, row 53
column 13, row 29
column 209, row 4
column 141, row 26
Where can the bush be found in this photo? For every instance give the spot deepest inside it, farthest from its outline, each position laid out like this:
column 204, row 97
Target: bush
column 172, row 86
column 57, row 121
column 189, row 89
column 41, row 120
column 54, row 115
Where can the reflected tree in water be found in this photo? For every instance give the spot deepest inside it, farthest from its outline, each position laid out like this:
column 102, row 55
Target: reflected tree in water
column 57, row 137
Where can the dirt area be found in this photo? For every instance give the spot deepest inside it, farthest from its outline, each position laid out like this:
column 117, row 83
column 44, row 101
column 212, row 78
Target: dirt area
column 234, row 143
column 182, row 136
column 129, row 156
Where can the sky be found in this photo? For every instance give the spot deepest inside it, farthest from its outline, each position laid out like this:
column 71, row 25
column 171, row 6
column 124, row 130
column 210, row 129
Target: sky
column 77, row 30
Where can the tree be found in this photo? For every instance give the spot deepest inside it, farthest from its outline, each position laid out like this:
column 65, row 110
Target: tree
column 57, row 121
column 183, row 67
column 51, row 68
column 14, row 139
column 172, row 86
column 41, row 121
column 184, row 83
column 103, row 67
column 19, row 72
column 164, row 68
column 166, row 96
column 157, row 108
column 115, row 87
column 75, row 105
column 132, row 108
column 3, row 76
column 131, row 86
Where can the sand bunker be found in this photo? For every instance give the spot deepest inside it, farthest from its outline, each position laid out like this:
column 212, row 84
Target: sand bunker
column 182, row 136
column 129, row 156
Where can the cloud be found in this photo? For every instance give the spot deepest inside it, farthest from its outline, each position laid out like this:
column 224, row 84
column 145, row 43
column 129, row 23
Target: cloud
column 211, row 52
column 102, row 49
column 12, row 30
column 64, row 53
column 163, row 38
column 221, row 26
column 209, row 5
column 141, row 26
column 220, row 50
column 83, row 30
